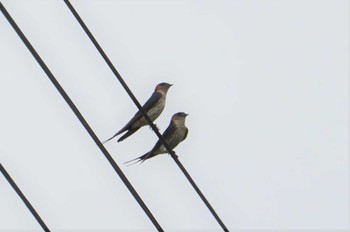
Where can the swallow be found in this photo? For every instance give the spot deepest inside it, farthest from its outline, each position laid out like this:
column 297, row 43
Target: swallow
column 153, row 107
column 173, row 135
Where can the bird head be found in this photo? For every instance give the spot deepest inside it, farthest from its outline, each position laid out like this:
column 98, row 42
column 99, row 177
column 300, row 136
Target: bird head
column 179, row 118
column 163, row 87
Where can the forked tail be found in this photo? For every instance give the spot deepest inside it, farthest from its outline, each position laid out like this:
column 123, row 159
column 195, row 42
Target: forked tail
column 140, row 159
column 110, row 138
column 127, row 134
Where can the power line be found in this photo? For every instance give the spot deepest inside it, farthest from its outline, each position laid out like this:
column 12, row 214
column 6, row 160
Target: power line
column 80, row 117
column 21, row 195
column 155, row 129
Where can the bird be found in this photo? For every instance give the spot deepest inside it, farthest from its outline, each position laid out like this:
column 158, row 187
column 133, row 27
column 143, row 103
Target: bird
column 154, row 106
column 173, row 135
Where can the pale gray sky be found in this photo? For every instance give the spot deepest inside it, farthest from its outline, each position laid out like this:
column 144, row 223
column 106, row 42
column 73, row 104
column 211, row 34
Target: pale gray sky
column 266, row 85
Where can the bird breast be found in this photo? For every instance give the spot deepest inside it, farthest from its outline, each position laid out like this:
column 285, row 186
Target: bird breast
column 174, row 139
column 155, row 111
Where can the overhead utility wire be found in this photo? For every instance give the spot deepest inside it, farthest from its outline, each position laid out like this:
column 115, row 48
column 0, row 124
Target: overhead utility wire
column 23, row 198
column 155, row 129
column 80, row 117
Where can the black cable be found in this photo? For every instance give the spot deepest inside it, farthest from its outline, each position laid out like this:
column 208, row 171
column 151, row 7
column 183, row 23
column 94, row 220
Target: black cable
column 80, row 117
column 155, row 129
column 24, row 199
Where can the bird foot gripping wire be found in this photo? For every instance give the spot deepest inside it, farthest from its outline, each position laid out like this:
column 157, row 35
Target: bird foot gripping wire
column 174, row 155
column 150, row 127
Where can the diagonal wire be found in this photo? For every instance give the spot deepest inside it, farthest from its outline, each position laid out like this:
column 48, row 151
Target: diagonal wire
column 80, row 117
column 23, row 198
column 155, row 129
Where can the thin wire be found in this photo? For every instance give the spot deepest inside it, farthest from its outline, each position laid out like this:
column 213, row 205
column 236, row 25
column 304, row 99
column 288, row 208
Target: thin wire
column 24, row 199
column 80, row 117
column 155, row 129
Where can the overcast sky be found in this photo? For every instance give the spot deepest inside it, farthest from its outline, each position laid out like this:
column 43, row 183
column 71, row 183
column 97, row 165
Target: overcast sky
column 266, row 85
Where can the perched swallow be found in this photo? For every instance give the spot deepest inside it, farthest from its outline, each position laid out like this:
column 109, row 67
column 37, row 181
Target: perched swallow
column 153, row 107
column 173, row 135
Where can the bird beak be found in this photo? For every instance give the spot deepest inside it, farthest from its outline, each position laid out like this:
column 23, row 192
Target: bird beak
column 171, row 84
column 186, row 115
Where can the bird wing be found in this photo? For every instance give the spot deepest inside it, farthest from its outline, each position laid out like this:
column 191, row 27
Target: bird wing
column 147, row 106
column 168, row 133
column 149, row 103
column 185, row 135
